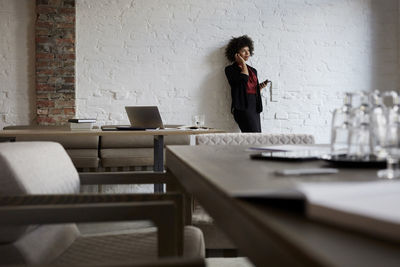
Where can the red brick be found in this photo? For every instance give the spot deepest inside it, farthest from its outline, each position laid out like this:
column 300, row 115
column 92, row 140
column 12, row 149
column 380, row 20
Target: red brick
column 50, row 64
column 44, row 55
column 41, row 39
column 43, row 32
column 67, row 10
column 42, row 9
column 42, row 96
column 69, row 111
column 68, row 96
column 69, row 34
column 69, row 64
column 44, row 24
column 45, row 103
column 42, row 2
column 69, row 103
column 45, row 120
column 64, row 18
column 56, row 79
column 65, row 56
column 55, row 3
column 44, row 87
column 55, row 111
column 65, row 41
column 69, row 3
column 42, row 79
column 55, row 96
column 44, row 72
column 65, row 25
column 64, row 72
column 69, row 79
column 42, row 64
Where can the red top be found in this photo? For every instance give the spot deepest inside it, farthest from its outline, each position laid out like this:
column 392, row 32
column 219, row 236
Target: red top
column 252, row 84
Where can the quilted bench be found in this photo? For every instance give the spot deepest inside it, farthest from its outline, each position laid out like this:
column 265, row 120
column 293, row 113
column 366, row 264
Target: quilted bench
column 254, row 139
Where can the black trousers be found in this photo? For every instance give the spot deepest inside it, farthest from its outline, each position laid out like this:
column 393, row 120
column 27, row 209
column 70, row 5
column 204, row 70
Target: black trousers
column 248, row 120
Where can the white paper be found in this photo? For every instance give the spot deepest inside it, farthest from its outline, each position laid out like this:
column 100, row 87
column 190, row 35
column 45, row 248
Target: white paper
column 287, row 148
column 379, row 200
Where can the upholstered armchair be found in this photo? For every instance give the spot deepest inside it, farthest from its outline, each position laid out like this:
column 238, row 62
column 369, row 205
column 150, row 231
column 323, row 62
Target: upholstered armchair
column 40, row 204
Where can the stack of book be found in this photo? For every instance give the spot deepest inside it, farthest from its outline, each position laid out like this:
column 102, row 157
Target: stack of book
column 81, row 124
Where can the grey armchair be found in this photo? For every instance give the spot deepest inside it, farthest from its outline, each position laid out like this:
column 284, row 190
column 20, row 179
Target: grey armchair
column 40, row 204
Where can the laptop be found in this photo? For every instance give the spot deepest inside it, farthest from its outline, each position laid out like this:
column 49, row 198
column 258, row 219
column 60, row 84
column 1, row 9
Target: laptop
column 142, row 118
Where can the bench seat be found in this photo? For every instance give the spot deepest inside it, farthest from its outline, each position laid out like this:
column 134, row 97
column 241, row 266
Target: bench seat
column 83, row 150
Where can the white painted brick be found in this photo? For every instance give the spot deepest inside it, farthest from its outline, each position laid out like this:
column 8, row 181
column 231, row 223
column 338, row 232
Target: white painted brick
column 281, row 116
column 17, row 83
column 170, row 53
column 116, row 116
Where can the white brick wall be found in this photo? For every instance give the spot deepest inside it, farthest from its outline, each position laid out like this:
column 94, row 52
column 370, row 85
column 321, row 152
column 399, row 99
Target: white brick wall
column 170, row 54
column 17, row 62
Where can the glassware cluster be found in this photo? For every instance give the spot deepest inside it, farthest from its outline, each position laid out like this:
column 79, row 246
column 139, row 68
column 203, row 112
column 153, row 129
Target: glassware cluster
column 367, row 129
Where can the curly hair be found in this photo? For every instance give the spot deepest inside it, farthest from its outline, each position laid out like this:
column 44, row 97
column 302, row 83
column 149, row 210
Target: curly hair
column 237, row 43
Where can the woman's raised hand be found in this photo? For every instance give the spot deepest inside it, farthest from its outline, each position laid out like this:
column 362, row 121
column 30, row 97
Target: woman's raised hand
column 240, row 61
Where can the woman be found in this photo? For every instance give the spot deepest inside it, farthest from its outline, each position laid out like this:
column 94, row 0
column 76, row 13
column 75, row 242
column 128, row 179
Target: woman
column 245, row 88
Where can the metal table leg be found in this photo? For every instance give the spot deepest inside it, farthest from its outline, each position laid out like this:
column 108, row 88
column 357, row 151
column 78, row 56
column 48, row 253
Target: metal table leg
column 7, row 139
column 159, row 160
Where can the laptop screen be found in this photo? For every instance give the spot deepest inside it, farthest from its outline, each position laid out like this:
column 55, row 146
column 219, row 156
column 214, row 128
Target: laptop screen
column 147, row 117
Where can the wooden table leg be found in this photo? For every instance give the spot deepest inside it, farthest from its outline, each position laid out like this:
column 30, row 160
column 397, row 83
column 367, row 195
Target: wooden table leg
column 174, row 186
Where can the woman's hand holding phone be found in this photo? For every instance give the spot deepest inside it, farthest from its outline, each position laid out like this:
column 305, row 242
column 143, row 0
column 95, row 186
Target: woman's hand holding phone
column 240, row 61
column 264, row 84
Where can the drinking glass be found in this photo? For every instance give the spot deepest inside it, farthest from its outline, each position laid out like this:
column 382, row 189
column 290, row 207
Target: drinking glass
column 394, row 111
column 340, row 126
column 392, row 147
column 360, row 145
column 392, row 139
column 378, row 122
column 198, row 120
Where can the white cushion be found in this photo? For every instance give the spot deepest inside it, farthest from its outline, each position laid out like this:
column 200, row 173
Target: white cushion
column 29, row 168
column 118, row 248
column 228, row 262
column 36, row 168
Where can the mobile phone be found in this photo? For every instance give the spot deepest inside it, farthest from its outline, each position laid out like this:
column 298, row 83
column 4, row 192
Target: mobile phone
column 265, row 82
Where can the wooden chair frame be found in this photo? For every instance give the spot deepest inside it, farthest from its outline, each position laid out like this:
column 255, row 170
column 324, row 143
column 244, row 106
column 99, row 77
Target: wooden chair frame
column 165, row 210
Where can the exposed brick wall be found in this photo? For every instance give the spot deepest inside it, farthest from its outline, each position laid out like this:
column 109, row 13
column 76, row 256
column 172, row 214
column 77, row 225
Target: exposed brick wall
column 55, row 61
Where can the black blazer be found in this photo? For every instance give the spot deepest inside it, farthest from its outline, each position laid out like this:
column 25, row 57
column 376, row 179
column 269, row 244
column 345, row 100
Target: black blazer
column 238, row 83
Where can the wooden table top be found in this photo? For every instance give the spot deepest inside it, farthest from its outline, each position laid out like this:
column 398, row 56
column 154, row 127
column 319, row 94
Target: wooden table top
column 231, row 169
column 266, row 234
column 98, row 132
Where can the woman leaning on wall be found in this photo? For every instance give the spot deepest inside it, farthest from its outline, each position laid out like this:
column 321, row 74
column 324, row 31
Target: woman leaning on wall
column 245, row 88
